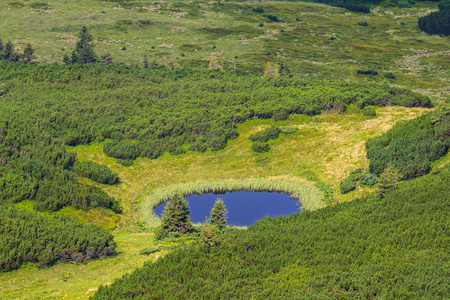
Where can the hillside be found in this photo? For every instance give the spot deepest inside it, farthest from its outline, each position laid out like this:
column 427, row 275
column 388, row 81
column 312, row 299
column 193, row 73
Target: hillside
column 369, row 248
column 109, row 108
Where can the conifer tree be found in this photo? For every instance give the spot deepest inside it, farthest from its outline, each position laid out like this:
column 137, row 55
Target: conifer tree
column 74, row 59
column 145, row 66
column 85, row 48
column 106, row 58
column 66, row 59
column 218, row 214
column 28, row 53
column 207, row 237
column 155, row 65
column 388, row 181
column 1, row 48
column 8, row 53
column 175, row 217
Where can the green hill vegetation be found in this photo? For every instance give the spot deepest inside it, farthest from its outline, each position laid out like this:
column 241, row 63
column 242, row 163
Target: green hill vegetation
column 111, row 108
column 395, row 247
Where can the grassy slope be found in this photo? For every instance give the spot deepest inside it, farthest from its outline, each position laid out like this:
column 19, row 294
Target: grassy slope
column 325, row 42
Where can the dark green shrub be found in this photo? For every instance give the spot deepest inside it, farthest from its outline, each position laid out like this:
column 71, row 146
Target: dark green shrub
column 349, row 184
column 389, row 75
column 267, row 134
column 96, row 172
column 363, row 24
column 369, row 112
column 125, row 162
column 121, row 150
column 258, row 10
column 404, row 5
column 369, row 178
column 272, row 18
column 288, row 129
column 367, row 72
column 178, row 150
column 260, row 147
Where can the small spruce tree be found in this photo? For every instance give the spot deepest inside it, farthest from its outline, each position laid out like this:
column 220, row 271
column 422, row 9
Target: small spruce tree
column 175, row 217
column 218, row 214
column 74, row 59
column 388, row 181
column 28, row 53
column 106, row 58
column 9, row 54
column 145, row 65
column 207, row 237
column 1, row 48
column 154, row 65
column 85, row 48
column 66, row 59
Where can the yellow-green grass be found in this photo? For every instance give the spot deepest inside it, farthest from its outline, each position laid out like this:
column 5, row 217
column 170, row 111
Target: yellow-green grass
column 324, row 42
column 78, row 280
column 327, row 147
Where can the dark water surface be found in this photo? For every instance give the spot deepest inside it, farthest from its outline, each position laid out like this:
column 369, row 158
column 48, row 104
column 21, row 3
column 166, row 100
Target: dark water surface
column 244, row 207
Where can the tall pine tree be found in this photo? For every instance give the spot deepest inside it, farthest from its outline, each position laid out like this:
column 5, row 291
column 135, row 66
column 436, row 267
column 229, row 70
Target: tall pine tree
column 175, row 217
column 28, row 53
column 85, row 48
column 218, row 214
column 9, row 54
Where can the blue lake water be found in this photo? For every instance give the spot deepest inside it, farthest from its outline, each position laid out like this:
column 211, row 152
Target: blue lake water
column 244, row 207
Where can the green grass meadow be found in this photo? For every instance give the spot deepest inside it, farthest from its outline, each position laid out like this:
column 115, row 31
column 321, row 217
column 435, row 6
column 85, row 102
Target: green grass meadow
column 313, row 39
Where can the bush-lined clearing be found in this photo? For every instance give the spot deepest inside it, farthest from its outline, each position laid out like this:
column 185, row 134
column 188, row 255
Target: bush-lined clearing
column 326, row 146
column 316, row 40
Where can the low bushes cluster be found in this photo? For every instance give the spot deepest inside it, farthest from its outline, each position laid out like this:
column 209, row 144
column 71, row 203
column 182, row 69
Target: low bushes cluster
column 97, row 172
column 411, row 145
column 260, row 147
column 352, row 5
column 28, row 237
column 367, row 72
column 270, row 133
column 349, row 184
column 122, row 150
column 369, row 112
column 389, row 75
column 357, row 176
column 36, row 166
